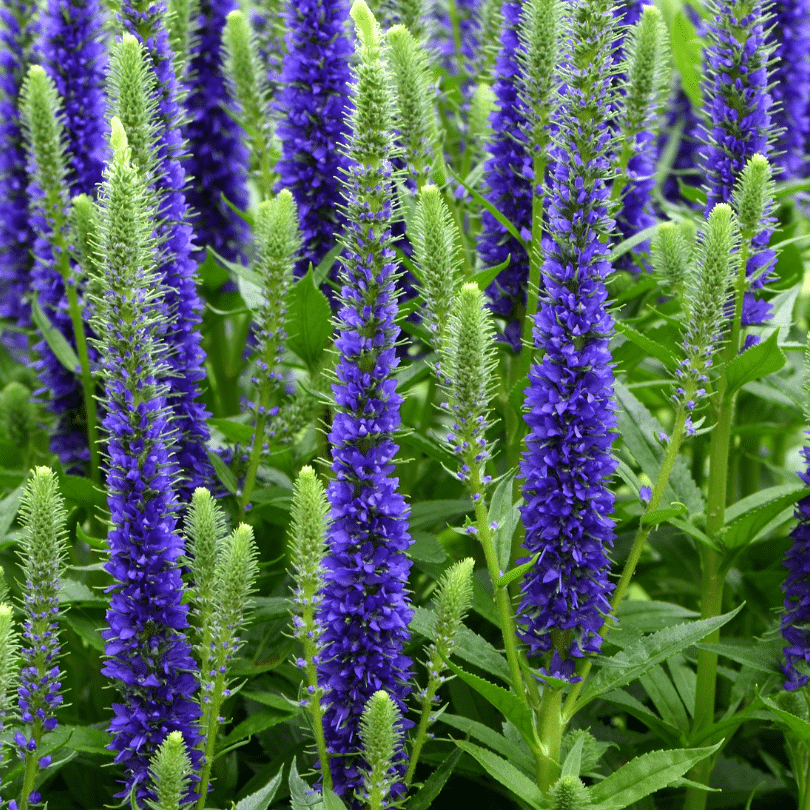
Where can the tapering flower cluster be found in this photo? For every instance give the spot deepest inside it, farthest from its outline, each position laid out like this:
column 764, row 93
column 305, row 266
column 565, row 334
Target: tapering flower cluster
column 218, row 160
column 75, row 58
column 569, row 400
column 180, row 303
column 508, row 176
column 18, row 32
column 43, row 551
column 789, row 37
column 365, row 611
column 739, row 101
column 312, row 105
column 147, row 652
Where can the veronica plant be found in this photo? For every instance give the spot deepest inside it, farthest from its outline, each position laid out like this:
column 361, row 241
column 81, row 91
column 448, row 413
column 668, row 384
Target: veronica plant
column 365, row 609
column 148, row 655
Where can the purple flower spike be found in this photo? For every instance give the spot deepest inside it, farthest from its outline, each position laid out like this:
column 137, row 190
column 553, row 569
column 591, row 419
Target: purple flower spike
column 181, row 303
column 789, row 36
column 313, row 106
column 365, row 610
column 508, row 178
column 18, row 32
column 569, row 400
column 217, row 164
column 796, row 618
column 739, row 126
column 75, row 58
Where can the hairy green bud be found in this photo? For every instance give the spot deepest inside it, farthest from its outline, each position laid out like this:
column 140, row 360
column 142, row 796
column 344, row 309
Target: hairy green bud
column 710, row 286
column 235, row 578
column 412, row 14
column 673, row 246
column 452, row 603
column 368, row 31
column 18, row 414
column 569, row 793
column 308, row 532
column 753, row 196
column 181, row 19
column 380, row 735
column 84, row 227
column 131, row 86
column 204, row 530
column 482, row 104
column 647, row 66
column 468, row 375
column 171, row 773
column 490, row 18
column 9, row 662
column 436, row 254
column 415, row 119
column 539, row 34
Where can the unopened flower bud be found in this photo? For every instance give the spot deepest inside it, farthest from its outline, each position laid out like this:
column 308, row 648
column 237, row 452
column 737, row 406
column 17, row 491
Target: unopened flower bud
column 171, row 771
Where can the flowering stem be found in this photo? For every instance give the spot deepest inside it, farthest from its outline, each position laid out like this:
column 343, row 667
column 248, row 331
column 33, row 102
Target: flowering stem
column 88, row 385
column 435, row 666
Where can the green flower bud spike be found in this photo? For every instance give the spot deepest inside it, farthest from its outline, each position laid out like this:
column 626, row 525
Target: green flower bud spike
column 569, row 793
column 415, row 119
column 181, row 18
column 42, row 126
column 234, row 580
column 132, row 91
column 452, row 603
column 412, row 14
column 436, row 255
column 9, row 663
column 250, row 91
column 673, row 246
column 3, row 586
column 307, row 551
column 380, row 735
column 278, row 241
column 171, row 773
column 752, row 197
column 18, row 418
column 84, row 236
column 647, row 67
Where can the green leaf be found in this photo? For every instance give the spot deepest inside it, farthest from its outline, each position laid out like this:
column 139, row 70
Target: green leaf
column 415, row 443
column 483, row 278
column 9, row 507
column 234, row 431
column 426, row 548
column 516, row 573
column 665, row 731
column 251, row 293
column 626, row 245
column 435, row 782
column 211, row 272
column 309, row 321
column 226, row 477
column 645, row 775
column 665, row 698
column 331, row 801
column 661, row 515
column 94, row 542
column 507, row 515
column 651, row 347
column 686, row 49
column 506, row 773
column 262, row 720
column 82, row 491
column 648, row 616
column 573, row 762
column 261, row 799
column 302, row 796
column 509, row 748
column 759, row 361
column 507, row 703
column 746, row 518
column 426, row 514
column 641, row 656
column 325, row 265
column 759, row 655
column 88, row 631
column 798, row 725
column 58, row 343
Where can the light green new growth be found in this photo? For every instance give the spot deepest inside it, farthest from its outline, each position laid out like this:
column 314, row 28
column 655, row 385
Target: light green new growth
column 84, row 235
column 436, row 255
column 468, row 373
column 368, row 31
column 278, row 240
column 709, row 287
column 250, row 90
column 482, row 104
column 181, row 19
column 539, row 34
column 753, row 197
column 415, row 120
column 9, row 663
column 452, row 603
column 204, row 530
column 570, row 793
column 43, row 546
column 310, row 511
column 380, row 735
column 18, row 416
column 171, row 773
column 673, row 246
column 647, row 67
column 131, row 87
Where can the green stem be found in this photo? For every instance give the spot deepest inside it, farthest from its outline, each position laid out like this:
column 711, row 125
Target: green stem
column 436, row 665
column 255, row 454
column 549, row 727
column 88, row 384
column 31, row 765
column 210, row 725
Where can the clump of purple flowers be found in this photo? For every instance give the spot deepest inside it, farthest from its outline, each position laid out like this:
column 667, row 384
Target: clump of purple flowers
column 570, row 415
column 365, row 612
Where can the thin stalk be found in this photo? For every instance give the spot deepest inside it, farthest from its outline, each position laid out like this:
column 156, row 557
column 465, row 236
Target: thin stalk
column 436, row 665
column 31, row 765
column 210, row 725
column 255, row 454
